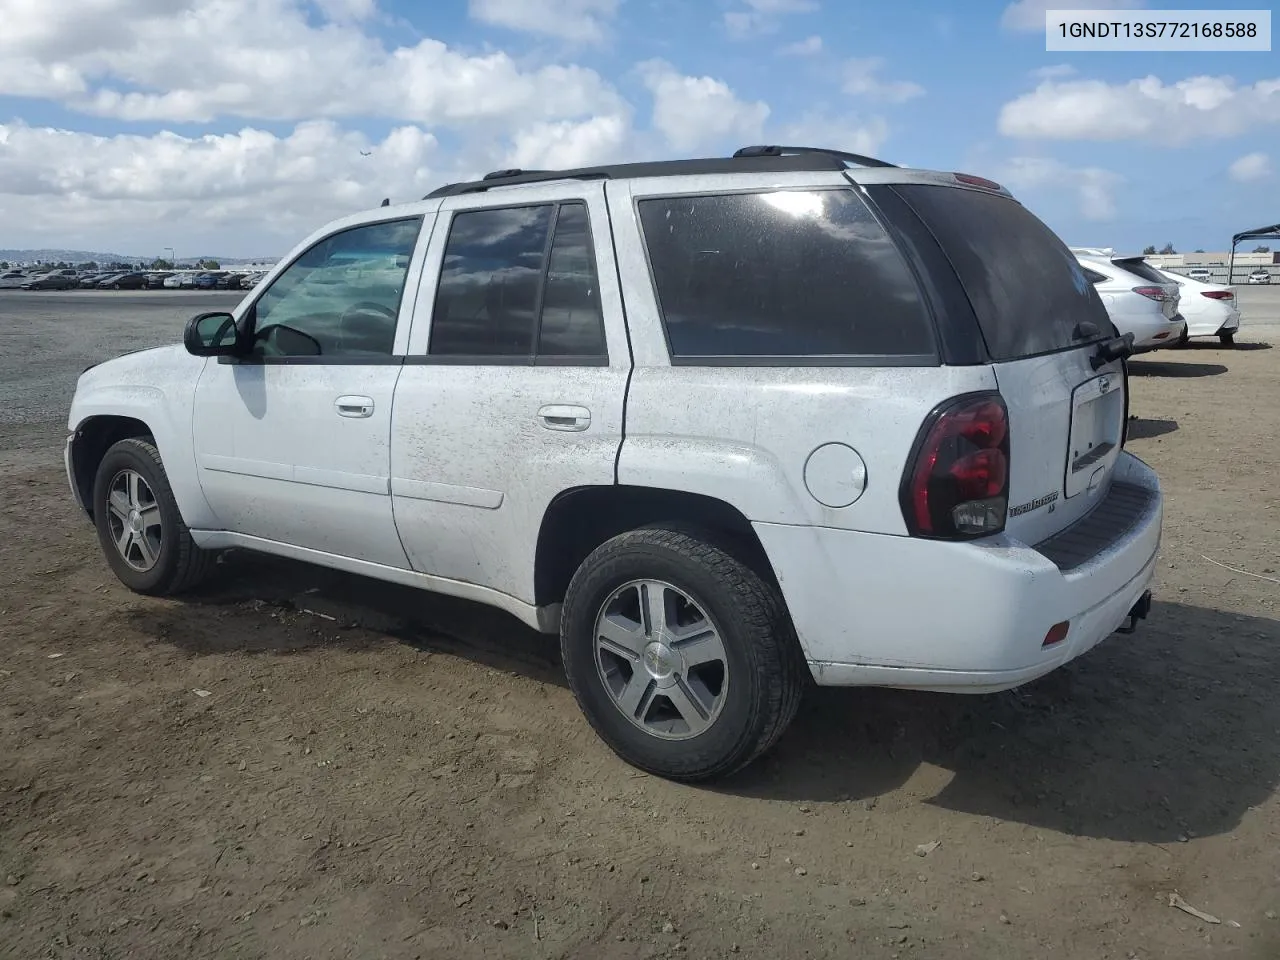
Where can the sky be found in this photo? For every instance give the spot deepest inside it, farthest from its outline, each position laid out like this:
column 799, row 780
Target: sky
column 236, row 127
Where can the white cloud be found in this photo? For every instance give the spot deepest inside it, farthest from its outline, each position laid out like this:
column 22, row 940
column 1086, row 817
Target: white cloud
column 1250, row 167
column 697, row 111
column 808, row 47
column 1094, row 187
column 576, row 20
column 119, row 191
column 156, row 60
column 1194, row 109
column 342, row 10
column 860, row 80
column 1054, row 72
column 1029, row 14
column 762, row 16
column 567, row 144
column 850, row 134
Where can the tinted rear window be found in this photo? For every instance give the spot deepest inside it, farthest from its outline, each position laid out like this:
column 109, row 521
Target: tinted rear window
column 1027, row 289
column 795, row 274
column 1142, row 269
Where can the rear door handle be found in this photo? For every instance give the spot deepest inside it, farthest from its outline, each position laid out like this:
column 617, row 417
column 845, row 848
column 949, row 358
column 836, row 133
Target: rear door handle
column 353, row 406
column 559, row 416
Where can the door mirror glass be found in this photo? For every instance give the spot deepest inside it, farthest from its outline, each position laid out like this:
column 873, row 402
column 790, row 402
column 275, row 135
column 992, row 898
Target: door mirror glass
column 212, row 335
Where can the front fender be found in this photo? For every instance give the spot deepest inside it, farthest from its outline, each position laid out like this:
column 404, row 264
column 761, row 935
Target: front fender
column 157, row 388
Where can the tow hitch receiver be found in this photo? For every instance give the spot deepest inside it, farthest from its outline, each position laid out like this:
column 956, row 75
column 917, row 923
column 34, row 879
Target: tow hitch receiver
column 1137, row 612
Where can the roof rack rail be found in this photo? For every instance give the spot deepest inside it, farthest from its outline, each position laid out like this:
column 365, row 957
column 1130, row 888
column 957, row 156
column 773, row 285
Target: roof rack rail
column 770, row 159
column 504, row 178
column 777, row 151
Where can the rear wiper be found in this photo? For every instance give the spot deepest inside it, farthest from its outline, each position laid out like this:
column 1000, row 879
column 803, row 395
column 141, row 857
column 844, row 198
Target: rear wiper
column 1117, row 348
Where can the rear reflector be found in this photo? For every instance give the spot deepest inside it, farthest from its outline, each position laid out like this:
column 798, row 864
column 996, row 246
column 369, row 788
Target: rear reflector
column 1151, row 293
column 973, row 181
column 1057, row 633
column 1218, row 294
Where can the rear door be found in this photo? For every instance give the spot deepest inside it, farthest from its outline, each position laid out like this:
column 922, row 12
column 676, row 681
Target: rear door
column 1042, row 321
column 514, row 384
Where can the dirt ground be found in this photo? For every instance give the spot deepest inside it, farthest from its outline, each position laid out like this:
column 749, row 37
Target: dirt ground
column 296, row 763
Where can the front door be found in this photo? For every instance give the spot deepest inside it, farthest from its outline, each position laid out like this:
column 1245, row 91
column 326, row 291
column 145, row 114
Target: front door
column 291, row 441
column 514, row 383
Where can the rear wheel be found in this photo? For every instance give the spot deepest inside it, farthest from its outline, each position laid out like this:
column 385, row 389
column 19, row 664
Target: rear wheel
column 683, row 659
column 1227, row 339
column 142, row 534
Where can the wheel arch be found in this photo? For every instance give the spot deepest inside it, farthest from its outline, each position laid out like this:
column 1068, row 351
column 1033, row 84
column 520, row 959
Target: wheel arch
column 580, row 519
column 93, row 437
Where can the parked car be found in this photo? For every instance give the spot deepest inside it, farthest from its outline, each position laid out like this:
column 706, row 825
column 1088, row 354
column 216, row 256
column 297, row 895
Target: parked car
column 13, row 281
column 1199, row 273
column 1260, row 276
column 155, row 281
column 1139, row 299
column 91, row 280
column 230, row 281
column 1209, row 309
column 173, row 282
column 124, row 281
column 874, row 428
column 50, row 281
column 205, row 281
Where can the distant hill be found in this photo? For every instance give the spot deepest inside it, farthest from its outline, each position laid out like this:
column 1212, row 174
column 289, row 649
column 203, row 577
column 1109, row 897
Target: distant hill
column 85, row 256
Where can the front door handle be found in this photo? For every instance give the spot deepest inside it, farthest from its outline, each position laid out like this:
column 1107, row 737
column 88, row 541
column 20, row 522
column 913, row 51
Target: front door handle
column 559, row 416
column 352, row 406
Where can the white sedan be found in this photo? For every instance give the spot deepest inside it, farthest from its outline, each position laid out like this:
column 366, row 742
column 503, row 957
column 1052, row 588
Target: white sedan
column 1138, row 298
column 1209, row 308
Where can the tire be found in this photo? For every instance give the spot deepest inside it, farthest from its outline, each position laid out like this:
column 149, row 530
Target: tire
column 763, row 673
column 177, row 564
column 1227, row 339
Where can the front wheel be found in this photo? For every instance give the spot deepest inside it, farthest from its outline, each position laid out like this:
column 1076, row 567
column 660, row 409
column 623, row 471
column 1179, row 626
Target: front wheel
column 682, row 657
column 140, row 529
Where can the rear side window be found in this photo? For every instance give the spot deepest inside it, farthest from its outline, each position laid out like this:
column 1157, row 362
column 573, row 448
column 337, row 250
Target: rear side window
column 519, row 278
column 1028, row 290
column 789, row 274
column 1093, row 276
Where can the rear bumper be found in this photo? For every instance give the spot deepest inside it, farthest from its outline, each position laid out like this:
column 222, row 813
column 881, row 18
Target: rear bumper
column 1162, row 333
column 875, row 610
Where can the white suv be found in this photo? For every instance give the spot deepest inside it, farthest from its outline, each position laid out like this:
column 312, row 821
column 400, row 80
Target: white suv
column 727, row 426
column 1139, row 299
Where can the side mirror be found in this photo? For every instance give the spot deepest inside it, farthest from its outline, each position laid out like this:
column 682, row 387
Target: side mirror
column 212, row 335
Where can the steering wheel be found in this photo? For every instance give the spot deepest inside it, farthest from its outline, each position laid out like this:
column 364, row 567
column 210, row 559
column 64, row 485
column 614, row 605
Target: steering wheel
column 365, row 306
column 368, row 305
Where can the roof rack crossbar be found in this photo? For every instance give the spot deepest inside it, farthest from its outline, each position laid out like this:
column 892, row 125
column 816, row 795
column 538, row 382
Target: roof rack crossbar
column 778, row 151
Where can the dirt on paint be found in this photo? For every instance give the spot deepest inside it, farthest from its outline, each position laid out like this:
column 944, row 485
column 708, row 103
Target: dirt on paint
column 297, row 763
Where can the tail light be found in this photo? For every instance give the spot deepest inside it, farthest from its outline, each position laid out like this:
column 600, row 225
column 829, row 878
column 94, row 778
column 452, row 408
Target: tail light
column 956, row 486
column 1151, row 293
column 1218, row 294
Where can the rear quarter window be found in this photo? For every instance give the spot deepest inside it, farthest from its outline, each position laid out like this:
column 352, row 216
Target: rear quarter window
column 1027, row 288
column 794, row 274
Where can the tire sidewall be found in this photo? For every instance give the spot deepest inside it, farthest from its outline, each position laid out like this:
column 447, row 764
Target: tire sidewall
column 731, row 732
column 122, row 456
